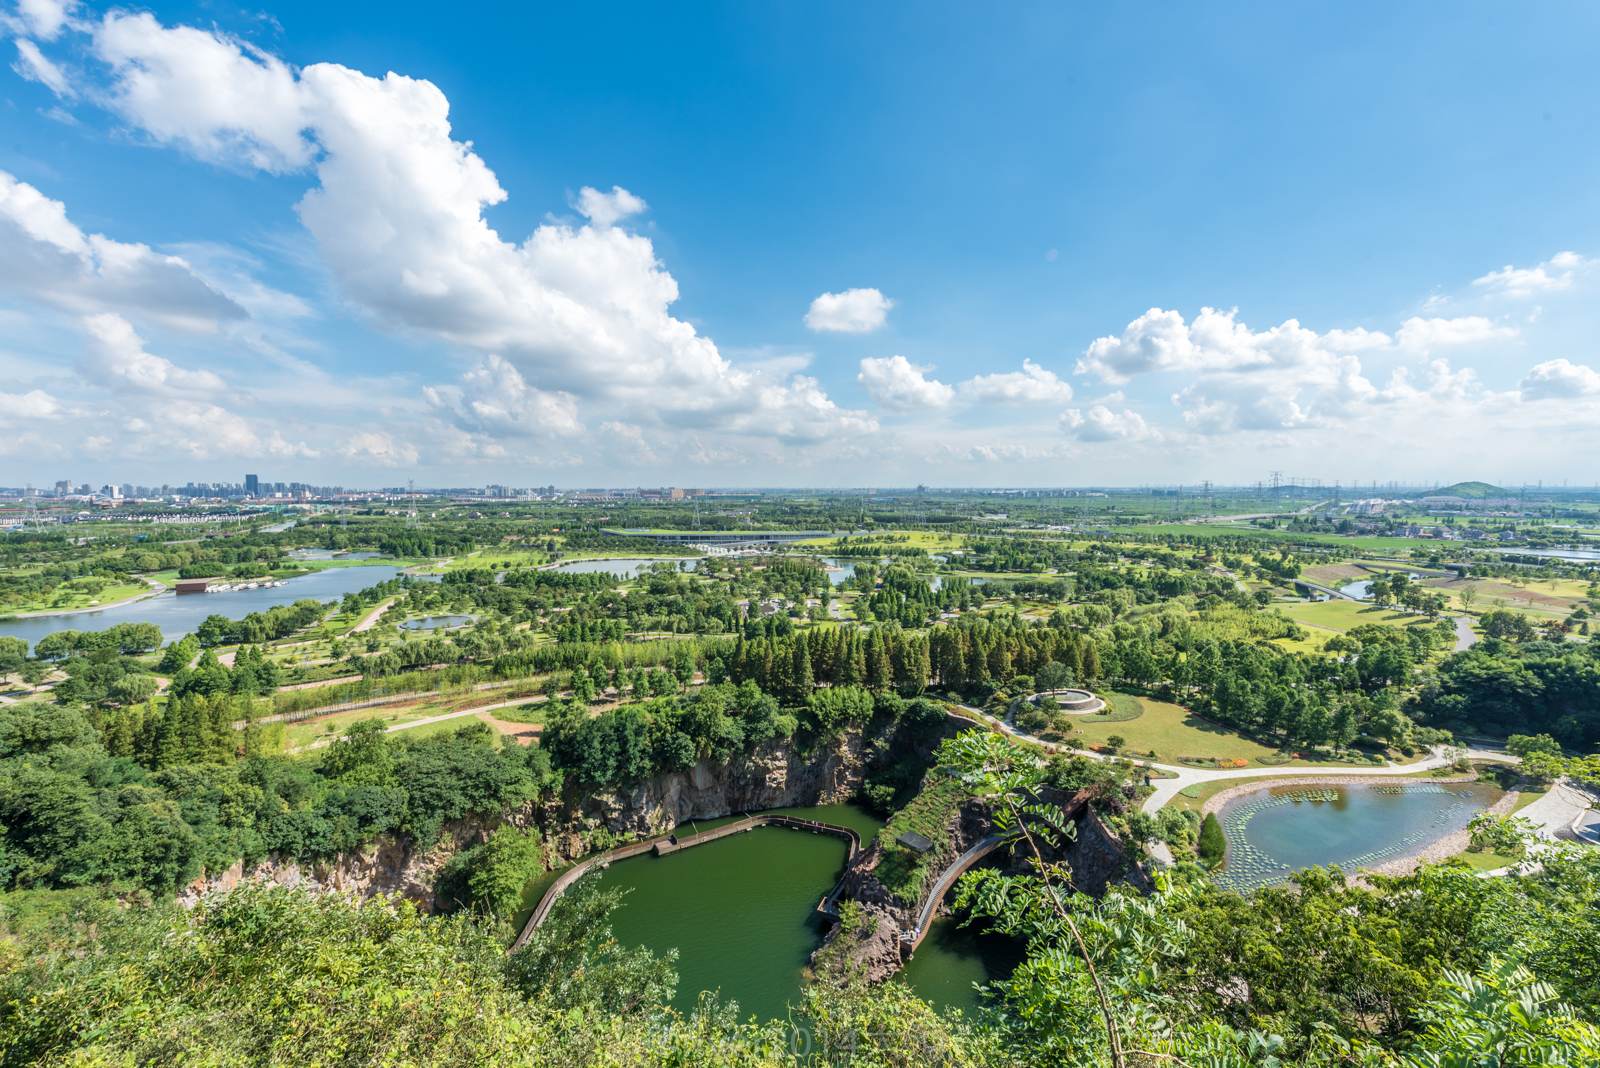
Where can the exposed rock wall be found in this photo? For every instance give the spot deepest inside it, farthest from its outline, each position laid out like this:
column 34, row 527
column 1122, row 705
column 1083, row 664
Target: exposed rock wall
column 390, row 865
column 774, row 776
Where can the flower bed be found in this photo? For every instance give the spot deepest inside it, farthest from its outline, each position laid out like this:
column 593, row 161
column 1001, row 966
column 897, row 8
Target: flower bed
column 1214, row 762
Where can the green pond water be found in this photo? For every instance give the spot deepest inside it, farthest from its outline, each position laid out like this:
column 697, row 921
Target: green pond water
column 1271, row 834
column 741, row 911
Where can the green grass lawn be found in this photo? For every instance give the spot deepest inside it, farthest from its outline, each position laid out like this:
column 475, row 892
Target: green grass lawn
column 302, row 733
column 69, row 599
column 1486, row 861
column 1342, row 615
column 1173, row 732
column 1527, row 797
column 1206, row 791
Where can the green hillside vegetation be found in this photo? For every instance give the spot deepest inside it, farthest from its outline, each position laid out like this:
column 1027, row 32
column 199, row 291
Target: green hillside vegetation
column 113, row 797
column 1472, row 491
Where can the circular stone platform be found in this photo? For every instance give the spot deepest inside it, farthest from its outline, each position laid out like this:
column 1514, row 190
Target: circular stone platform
column 1075, row 702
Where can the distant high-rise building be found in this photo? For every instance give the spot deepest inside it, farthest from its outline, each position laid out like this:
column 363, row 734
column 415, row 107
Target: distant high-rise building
column 252, row 485
column 64, row 487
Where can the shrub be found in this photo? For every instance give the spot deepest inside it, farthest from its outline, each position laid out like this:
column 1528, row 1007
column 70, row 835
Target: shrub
column 1213, row 843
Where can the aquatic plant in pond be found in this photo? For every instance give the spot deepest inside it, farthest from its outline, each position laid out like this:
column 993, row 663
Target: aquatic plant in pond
column 1275, row 831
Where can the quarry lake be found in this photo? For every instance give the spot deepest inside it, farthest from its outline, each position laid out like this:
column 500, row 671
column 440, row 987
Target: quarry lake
column 1276, row 830
column 741, row 911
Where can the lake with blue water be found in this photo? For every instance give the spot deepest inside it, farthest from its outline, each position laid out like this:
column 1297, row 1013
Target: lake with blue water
column 178, row 615
column 1274, row 831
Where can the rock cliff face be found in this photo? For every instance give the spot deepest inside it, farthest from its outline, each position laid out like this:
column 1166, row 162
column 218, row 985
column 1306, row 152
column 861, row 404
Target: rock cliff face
column 390, row 865
column 774, row 776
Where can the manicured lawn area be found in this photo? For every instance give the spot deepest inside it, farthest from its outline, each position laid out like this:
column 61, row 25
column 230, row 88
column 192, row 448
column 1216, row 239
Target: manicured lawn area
column 1486, row 861
column 301, row 734
column 1207, row 791
column 1173, row 732
column 1342, row 615
column 74, row 599
column 1527, row 797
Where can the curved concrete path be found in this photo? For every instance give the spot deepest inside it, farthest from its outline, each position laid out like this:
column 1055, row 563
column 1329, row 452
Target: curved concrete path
column 910, row 940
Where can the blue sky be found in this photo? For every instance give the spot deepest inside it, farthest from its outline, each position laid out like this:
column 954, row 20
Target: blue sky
column 821, row 244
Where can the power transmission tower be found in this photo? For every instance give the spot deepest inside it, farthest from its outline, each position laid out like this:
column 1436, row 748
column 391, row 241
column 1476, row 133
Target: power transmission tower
column 1277, row 489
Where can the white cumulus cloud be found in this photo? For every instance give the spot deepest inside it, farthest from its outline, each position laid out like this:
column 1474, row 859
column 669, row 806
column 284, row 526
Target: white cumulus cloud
column 117, row 361
column 898, row 383
column 1102, row 424
column 605, row 209
column 1031, row 385
column 1559, row 380
column 494, row 397
column 397, row 217
column 45, row 255
column 855, row 311
column 1420, row 335
column 43, row 19
column 1556, row 273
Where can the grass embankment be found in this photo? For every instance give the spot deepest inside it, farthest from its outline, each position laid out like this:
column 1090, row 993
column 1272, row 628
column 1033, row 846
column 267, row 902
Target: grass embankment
column 1486, row 861
column 904, row 871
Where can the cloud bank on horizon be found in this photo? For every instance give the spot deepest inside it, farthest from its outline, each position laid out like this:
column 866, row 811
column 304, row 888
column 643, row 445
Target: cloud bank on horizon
column 561, row 352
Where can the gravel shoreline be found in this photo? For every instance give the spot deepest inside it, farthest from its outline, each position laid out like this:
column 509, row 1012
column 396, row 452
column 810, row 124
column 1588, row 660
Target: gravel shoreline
column 1438, row 849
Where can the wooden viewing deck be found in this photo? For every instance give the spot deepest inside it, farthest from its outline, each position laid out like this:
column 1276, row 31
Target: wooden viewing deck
column 662, row 845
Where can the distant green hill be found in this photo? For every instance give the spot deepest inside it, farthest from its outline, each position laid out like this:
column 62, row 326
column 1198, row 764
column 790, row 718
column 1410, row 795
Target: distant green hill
column 1472, row 491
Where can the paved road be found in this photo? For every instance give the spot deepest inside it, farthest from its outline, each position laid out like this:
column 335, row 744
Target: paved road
column 1465, row 639
column 1167, row 789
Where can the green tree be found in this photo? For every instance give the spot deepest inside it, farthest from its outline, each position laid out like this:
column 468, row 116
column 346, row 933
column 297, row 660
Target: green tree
column 1213, row 842
column 362, row 756
column 505, row 864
